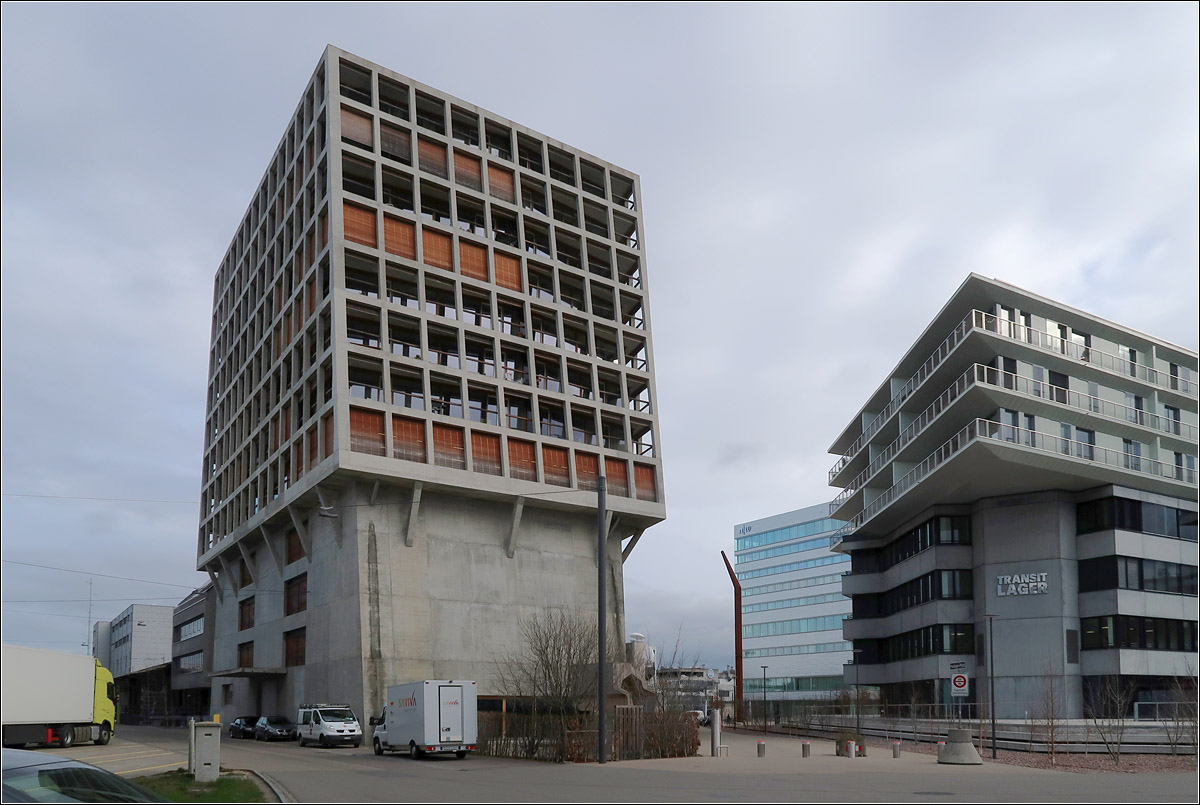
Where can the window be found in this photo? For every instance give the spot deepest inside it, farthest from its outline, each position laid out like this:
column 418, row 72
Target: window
column 246, row 613
column 293, row 648
column 295, row 595
column 1133, row 455
column 190, row 663
column 246, row 655
column 192, row 628
column 295, row 548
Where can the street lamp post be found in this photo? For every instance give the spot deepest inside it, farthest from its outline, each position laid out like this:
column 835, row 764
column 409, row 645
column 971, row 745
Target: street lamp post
column 765, row 698
column 857, row 697
column 992, row 680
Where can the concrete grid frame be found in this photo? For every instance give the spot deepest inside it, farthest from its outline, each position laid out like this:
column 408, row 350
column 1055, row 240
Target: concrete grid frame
column 792, row 605
column 1036, row 464
column 431, row 336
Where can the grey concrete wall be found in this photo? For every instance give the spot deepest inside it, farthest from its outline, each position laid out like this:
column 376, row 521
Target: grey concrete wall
column 1025, row 535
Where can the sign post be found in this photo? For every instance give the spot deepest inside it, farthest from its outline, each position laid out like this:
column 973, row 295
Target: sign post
column 960, row 683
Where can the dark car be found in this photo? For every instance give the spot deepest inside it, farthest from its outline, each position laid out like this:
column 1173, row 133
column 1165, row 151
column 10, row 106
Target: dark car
column 40, row 777
column 275, row 728
column 243, row 727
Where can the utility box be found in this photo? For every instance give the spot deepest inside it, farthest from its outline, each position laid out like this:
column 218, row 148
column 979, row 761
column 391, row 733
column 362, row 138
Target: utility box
column 207, row 763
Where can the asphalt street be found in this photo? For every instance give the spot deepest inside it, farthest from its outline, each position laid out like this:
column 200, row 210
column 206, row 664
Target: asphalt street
column 344, row 774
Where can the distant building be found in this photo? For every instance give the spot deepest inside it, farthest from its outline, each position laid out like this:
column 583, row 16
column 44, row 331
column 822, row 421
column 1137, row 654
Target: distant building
column 1032, row 465
column 102, row 643
column 139, row 656
column 430, row 339
column 139, row 638
column 191, row 654
column 792, row 605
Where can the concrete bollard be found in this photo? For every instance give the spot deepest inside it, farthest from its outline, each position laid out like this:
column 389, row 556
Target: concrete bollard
column 805, row 749
column 762, row 748
column 895, row 749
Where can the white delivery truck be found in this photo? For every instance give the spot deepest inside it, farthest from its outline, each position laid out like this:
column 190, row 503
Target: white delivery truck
column 51, row 697
column 430, row 716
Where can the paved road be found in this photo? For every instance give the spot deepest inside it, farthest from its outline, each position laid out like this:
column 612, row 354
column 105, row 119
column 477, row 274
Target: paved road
column 344, row 774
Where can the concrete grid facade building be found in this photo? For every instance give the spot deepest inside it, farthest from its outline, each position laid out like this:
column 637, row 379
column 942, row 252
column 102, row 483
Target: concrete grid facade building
column 1033, row 463
column 431, row 336
column 792, row 605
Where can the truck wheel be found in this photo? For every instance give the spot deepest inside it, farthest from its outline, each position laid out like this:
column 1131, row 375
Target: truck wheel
column 461, row 754
column 322, row 741
column 303, row 742
column 104, row 736
column 414, row 752
column 66, row 736
column 378, row 747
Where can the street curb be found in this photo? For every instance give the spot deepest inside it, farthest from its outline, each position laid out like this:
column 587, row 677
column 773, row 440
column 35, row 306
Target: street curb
column 275, row 787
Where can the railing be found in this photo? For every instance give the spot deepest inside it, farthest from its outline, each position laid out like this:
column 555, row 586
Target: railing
column 977, row 319
column 957, row 335
column 408, row 350
column 996, row 431
column 987, row 375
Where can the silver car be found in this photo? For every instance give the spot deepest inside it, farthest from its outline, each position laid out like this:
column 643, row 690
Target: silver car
column 42, row 777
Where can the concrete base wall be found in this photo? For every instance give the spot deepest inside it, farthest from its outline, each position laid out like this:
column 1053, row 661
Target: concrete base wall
column 382, row 611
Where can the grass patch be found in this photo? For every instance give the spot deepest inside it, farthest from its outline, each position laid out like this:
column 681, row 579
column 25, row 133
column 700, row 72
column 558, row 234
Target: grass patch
column 179, row 786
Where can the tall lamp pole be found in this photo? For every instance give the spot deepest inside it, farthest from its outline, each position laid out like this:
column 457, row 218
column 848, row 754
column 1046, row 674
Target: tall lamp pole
column 764, row 698
column 857, row 698
column 992, row 680
column 602, row 619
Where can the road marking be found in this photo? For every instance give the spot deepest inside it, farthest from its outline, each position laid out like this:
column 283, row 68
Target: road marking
column 127, row 753
column 151, row 768
column 106, row 761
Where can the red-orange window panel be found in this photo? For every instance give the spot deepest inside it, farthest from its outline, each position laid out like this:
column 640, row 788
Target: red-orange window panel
column 438, row 249
column 643, row 479
column 359, row 224
column 448, row 447
column 399, row 237
column 618, row 477
column 508, row 271
column 312, row 447
column 522, row 460
column 431, row 157
column 408, row 438
column 295, row 548
column 358, row 128
column 366, row 432
column 327, row 429
column 500, row 183
column 587, row 470
column 555, row 465
column 467, row 171
column 472, row 260
column 485, row 453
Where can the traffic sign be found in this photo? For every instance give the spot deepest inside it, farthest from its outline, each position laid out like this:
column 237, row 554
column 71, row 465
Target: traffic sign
column 959, row 685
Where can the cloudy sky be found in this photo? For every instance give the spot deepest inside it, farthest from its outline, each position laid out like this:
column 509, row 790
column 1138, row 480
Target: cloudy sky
column 816, row 181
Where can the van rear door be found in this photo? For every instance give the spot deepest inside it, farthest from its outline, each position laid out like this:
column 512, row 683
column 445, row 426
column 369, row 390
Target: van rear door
column 450, row 713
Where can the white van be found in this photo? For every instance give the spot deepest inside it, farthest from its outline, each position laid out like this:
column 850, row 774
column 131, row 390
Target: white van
column 328, row 724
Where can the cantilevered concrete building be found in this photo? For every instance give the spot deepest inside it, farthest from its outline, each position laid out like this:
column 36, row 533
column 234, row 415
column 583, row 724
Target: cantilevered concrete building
column 431, row 336
column 1033, row 463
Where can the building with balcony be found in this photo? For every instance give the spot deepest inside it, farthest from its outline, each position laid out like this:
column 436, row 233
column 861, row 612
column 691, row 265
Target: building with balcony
column 1034, row 466
column 792, row 605
column 430, row 339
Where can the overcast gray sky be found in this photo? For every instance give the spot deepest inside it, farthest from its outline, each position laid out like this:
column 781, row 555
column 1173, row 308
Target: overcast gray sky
column 816, row 180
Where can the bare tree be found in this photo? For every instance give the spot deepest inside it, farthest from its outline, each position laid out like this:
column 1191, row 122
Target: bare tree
column 1048, row 712
column 1181, row 722
column 554, row 671
column 1107, row 709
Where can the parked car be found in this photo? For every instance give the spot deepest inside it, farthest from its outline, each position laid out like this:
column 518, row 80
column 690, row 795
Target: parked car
column 328, row 724
column 42, row 777
column 243, row 727
column 275, row 728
